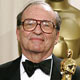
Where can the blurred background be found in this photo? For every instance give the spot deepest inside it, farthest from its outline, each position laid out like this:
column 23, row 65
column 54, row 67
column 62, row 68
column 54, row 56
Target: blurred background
column 8, row 41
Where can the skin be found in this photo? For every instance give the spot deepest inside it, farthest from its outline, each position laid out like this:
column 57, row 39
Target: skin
column 37, row 45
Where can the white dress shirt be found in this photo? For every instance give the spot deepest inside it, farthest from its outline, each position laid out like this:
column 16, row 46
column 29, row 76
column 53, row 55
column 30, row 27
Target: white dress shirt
column 38, row 74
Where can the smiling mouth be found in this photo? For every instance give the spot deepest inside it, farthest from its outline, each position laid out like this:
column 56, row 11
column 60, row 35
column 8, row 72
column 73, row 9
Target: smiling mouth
column 37, row 39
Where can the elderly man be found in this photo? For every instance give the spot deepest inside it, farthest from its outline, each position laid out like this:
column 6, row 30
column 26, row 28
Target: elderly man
column 37, row 32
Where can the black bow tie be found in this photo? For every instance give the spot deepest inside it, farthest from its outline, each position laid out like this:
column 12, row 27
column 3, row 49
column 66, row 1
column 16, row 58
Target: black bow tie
column 30, row 67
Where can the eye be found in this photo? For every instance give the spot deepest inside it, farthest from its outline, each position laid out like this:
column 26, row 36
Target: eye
column 29, row 22
column 46, row 24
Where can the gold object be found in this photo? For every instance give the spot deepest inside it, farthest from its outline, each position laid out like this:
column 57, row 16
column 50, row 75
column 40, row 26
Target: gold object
column 68, row 66
column 70, row 27
column 62, row 48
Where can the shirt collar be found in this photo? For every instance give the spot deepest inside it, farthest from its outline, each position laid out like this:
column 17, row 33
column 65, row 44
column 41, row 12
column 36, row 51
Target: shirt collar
column 23, row 60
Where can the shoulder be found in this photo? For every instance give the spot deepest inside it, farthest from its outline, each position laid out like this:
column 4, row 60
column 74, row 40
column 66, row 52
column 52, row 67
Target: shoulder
column 56, row 59
column 76, row 76
column 9, row 67
column 9, row 64
column 78, row 70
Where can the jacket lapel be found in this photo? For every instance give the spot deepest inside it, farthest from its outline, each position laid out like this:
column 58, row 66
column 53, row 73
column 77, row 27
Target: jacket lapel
column 56, row 69
column 14, row 70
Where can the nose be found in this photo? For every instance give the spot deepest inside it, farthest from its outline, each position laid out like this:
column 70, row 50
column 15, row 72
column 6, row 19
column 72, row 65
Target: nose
column 38, row 29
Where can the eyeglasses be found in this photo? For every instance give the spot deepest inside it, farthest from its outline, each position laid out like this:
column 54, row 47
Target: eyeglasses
column 45, row 25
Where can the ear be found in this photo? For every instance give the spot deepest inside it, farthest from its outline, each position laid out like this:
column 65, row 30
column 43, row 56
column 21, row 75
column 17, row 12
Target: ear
column 57, row 37
column 18, row 34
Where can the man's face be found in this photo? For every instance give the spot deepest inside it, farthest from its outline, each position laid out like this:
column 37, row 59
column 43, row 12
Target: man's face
column 37, row 41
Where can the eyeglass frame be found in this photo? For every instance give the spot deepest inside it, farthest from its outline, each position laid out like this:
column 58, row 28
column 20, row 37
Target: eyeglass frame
column 54, row 26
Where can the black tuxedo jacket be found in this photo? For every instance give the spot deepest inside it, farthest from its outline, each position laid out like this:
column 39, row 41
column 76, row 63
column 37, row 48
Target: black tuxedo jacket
column 11, row 70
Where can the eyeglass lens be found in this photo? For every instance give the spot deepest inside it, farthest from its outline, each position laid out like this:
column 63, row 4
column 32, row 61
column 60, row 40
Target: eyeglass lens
column 46, row 26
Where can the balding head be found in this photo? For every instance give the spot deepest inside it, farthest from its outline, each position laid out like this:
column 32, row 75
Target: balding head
column 37, row 8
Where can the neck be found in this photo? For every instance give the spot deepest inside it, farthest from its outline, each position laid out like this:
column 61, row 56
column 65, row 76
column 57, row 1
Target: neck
column 36, row 57
column 58, row 5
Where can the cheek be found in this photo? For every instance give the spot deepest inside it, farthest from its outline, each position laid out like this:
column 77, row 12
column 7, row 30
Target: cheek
column 24, row 37
column 50, row 39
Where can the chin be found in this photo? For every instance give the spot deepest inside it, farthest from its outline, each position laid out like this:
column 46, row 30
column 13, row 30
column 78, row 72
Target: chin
column 37, row 50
